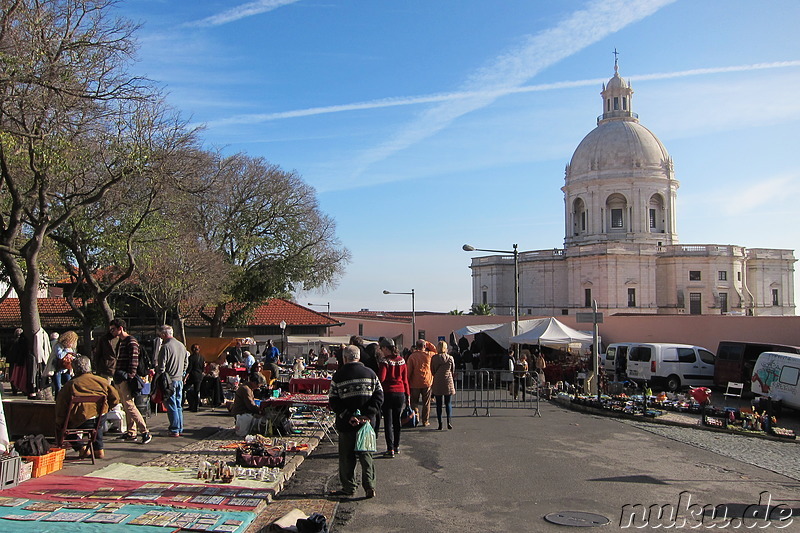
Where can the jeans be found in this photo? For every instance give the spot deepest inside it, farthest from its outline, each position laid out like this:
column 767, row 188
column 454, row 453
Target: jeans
column 97, row 444
column 447, row 406
column 174, row 408
column 59, row 380
column 349, row 458
column 393, row 403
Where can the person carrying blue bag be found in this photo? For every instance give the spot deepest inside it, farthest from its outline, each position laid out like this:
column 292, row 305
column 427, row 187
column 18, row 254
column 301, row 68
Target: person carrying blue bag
column 355, row 397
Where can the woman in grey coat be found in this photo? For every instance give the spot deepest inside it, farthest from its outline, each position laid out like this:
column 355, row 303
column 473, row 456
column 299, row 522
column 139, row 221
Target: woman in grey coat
column 442, row 368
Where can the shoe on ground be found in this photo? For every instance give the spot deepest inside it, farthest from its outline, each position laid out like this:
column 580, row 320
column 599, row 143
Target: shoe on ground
column 84, row 453
column 126, row 436
column 146, row 437
column 99, row 454
column 389, row 453
column 371, row 493
column 449, row 425
column 341, row 494
column 174, row 434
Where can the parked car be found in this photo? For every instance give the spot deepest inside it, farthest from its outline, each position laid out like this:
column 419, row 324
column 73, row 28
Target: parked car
column 736, row 359
column 776, row 376
column 670, row 365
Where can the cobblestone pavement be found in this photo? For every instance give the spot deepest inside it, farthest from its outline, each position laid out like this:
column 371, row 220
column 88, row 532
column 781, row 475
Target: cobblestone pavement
column 776, row 456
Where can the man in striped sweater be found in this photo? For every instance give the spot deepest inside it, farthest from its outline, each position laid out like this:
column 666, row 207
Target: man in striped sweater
column 354, row 387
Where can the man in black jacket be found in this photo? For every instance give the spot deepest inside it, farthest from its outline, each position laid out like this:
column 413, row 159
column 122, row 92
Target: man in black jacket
column 354, row 387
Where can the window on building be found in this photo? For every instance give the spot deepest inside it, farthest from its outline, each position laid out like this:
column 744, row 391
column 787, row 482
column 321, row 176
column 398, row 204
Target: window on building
column 484, row 298
column 775, row 297
column 723, row 275
column 652, row 219
column 616, row 218
column 738, row 276
column 723, row 302
column 624, row 103
column 361, row 330
column 631, row 297
column 421, row 334
column 616, row 103
column 587, row 297
column 694, row 275
column 608, row 104
column 695, row 303
column 583, row 221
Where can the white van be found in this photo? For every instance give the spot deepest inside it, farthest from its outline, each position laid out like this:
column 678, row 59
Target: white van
column 615, row 360
column 671, row 365
column 776, row 376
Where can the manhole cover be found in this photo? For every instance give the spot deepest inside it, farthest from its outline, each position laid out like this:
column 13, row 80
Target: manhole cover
column 577, row 519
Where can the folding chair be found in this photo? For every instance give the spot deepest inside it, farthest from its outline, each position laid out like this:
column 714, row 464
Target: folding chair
column 66, row 436
column 734, row 390
column 268, row 377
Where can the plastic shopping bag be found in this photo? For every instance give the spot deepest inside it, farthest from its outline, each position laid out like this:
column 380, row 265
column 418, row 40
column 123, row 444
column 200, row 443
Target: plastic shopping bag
column 365, row 439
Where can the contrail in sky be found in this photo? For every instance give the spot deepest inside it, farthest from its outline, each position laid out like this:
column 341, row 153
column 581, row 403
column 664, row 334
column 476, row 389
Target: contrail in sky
column 444, row 97
column 241, row 11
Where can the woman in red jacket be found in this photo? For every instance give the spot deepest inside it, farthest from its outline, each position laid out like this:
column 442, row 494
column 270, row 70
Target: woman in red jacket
column 393, row 374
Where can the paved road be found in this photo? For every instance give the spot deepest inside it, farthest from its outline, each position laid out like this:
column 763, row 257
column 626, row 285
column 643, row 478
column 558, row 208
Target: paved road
column 506, row 472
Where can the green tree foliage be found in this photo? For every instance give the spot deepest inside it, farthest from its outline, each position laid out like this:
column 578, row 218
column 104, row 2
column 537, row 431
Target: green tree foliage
column 481, row 309
column 267, row 224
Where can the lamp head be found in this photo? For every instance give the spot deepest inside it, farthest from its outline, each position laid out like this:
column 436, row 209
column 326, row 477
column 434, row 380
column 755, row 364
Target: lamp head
column 468, row 248
column 386, row 292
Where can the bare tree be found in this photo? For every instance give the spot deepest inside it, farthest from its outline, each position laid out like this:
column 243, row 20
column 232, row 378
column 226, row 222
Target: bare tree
column 63, row 90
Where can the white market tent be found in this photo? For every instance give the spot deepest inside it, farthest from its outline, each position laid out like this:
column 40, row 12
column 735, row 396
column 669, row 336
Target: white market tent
column 551, row 332
column 543, row 331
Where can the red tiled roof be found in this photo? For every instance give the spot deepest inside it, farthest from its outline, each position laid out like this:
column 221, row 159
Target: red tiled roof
column 54, row 313
column 271, row 314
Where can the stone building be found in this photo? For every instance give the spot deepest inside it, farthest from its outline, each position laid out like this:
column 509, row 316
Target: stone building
column 621, row 244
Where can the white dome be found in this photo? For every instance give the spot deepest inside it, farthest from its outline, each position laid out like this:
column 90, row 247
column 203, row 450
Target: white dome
column 618, row 145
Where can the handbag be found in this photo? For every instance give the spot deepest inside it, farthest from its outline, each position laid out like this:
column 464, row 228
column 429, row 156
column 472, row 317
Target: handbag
column 408, row 418
column 366, row 440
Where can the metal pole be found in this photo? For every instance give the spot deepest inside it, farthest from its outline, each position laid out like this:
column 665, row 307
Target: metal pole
column 516, row 291
column 413, row 320
column 595, row 362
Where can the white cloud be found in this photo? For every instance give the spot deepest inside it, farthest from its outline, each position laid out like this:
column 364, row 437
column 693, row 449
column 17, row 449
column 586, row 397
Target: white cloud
column 241, row 11
column 768, row 192
column 600, row 19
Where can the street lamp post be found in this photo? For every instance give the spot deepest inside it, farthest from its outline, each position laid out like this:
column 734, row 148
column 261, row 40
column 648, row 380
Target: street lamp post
column 515, row 253
column 283, row 338
column 413, row 314
column 328, row 305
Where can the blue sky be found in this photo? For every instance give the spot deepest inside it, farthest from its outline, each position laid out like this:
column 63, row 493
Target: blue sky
column 426, row 125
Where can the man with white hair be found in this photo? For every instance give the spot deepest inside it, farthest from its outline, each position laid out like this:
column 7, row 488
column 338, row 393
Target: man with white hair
column 171, row 361
column 85, row 415
column 354, row 387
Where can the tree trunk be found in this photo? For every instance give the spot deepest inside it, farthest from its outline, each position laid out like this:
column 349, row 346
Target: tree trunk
column 217, row 322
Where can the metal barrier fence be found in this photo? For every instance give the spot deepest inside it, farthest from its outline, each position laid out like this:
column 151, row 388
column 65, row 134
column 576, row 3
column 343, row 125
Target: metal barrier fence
column 497, row 389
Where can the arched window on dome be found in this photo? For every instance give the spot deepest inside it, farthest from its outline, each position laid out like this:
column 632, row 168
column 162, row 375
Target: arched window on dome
column 617, row 208
column 580, row 220
column 655, row 214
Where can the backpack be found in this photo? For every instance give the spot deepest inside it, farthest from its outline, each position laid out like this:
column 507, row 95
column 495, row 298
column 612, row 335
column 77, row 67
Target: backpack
column 31, row 445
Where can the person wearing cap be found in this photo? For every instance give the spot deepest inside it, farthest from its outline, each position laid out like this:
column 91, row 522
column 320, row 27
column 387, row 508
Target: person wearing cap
column 420, row 379
column 393, row 373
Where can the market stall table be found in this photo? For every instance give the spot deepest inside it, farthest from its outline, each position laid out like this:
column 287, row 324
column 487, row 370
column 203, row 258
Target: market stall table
column 309, row 385
column 226, row 371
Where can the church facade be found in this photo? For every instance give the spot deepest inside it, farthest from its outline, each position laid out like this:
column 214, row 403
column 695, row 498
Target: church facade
column 621, row 244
